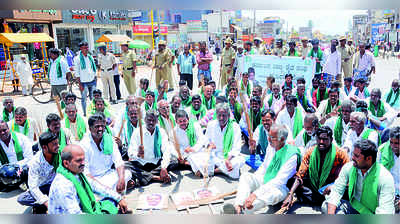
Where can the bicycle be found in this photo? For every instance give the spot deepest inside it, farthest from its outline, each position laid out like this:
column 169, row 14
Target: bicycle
column 41, row 89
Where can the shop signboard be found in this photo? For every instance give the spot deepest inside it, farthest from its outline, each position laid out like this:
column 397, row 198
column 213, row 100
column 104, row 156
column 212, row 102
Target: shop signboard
column 146, row 29
column 94, row 16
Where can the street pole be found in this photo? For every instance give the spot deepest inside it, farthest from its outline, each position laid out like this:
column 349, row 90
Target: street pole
column 159, row 27
column 220, row 14
column 152, row 28
column 254, row 23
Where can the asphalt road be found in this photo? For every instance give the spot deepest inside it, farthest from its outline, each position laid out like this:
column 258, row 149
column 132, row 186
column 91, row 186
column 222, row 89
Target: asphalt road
column 183, row 181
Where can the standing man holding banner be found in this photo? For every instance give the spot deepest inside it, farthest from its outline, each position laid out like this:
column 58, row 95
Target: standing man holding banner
column 227, row 61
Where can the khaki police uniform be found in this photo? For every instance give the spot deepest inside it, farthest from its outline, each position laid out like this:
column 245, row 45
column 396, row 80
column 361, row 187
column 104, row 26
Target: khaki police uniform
column 347, row 66
column 163, row 59
column 227, row 56
column 127, row 67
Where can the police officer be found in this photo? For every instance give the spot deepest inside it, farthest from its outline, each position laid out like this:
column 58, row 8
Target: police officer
column 163, row 63
column 227, row 61
column 107, row 63
column 129, row 68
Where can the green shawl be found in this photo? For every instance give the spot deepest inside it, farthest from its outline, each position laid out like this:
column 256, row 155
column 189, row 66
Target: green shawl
column 389, row 99
column 17, row 148
column 369, row 195
column 387, row 159
column 338, row 130
column 80, row 123
column 255, row 119
column 377, row 113
column 85, row 193
column 280, row 158
column 191, row 133
column 161, row 120
column 202, row 111
column 58, row 67
column 83, row 63
column 6, row 114
column 298, row 122
column 15, row 127
column 237, row 111
column 157, row 143
column 318, row 67
column 205, row 103
column 228, row 138
column 325, row 96
column 329, row 106
column 270, row 99
column 304, row 101
column 306, row 137
column 187, row 102
column 318, row 181
column 262, row 139
column 147, row 106
column 366, row 133
column 107, row 143
column 248, row 88
column 296, row 54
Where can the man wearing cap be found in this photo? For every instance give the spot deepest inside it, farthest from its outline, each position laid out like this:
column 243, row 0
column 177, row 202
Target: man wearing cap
column 316, row 53
column 129, row 68
column 259, row 49
column 163, row 62
column 85, row 70
column 107, row 63
column 305, row 47
column 346, row 54
column 227, row 61
column 279, row 50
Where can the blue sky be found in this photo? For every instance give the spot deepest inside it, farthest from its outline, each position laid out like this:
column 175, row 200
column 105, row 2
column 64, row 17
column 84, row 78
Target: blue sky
column 327, row 21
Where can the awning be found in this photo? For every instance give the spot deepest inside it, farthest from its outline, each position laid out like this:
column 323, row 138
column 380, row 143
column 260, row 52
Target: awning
column 10, row 38
column 113, row 38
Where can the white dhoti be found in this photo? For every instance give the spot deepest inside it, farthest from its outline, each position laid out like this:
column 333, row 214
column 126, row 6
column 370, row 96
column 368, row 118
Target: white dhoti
column 198, row 161
column 110, row 178
column 25, row 76
column 248, row 183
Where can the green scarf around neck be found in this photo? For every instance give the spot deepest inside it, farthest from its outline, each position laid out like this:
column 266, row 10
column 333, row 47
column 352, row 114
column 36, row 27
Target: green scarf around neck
column 6, row 114
column 237, row 111
column 338, row 130
column 280, row 158
column 85, row 193
column 306, row 137
column 319, row 99
column 157, row 143
column 298, row 122
column 271, row 98
column 387, row 156
column 205, row 103
column 15, row 127
column 17, row 149
column 248, row 88
column 83, row 63
column 161, row 120
column 130, row 128
column 262, row 139
column 62, row 140
column 369, row 195
column 80, row 126
column 255, row 119
column 389, row 99
column 202, row 111
column 367, row 132
column 228, row 138
column 148, row 107
column 191, row 133
column 319, row 54
column 329, row 106
column 318, row 181
column 187, row 102
column 107, row 143
column 377, row 113
column 294, row 54
column 58, row 67
column 303, row 100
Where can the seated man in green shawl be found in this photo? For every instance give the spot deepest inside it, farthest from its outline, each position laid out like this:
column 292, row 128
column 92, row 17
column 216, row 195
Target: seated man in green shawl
column 392, row 96
column 64, row 135
column 380, row 110
column 96, row 95
column 184, row 94
column 73, row 193
column 74, row 122
column 8, row 109
column 267, row 186
column 329, row 107
column 319, row 168
column 100, row 107
column 370, row 185
column 175, row 104
column 196, row 110
column 388, row 156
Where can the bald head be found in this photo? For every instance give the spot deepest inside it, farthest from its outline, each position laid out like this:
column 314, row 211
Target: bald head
column 73, row 158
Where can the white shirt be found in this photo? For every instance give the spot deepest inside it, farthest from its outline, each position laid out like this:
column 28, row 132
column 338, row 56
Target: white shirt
column 98, row 163
column 183, row 139
column 331, row 122
column 286, row 171
column 33, row 128
column 395, row 171
column 54, row 80
column 366, row 61
column 148, row 143
column 24, row 71
column 332, row 62
column 106, row 61
column 40, row 173
column 276, row 103
column 299, row 142
column 26, row 146
column 285, row 119
column 321, row 111
column 87, row 74
column 352, row 138
column 361, row 94
column 215, row 135
column 390, row 114
column 63, row 198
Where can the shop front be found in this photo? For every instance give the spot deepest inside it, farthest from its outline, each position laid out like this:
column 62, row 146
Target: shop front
column 90, row 25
